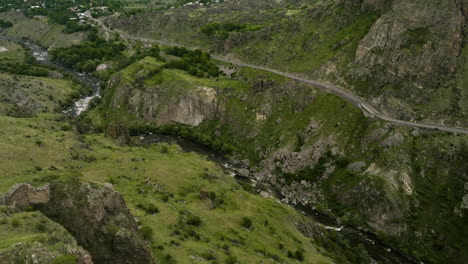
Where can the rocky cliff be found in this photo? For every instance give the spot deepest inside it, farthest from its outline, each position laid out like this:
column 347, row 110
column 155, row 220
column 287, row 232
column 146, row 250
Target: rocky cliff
column 96, row 216
column 407, row 57
column 99, row 220
column 318, row 151
column 410, row 57
column 160, row 102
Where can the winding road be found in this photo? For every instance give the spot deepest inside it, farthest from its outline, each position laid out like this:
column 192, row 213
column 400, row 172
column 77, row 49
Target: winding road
column 359, row 102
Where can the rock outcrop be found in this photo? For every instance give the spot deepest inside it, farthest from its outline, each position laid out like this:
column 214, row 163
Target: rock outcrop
column 96, row 216
column 38, row 253
column 100, row 221
column 23, row 195
column 411, row 52
column 119, row 132
column 161, row 105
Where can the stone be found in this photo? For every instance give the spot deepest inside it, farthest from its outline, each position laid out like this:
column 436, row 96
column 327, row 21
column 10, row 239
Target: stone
column 24, row 195
column 243, row 173
column 55, row 75
column 357, row 166
column 102, row 67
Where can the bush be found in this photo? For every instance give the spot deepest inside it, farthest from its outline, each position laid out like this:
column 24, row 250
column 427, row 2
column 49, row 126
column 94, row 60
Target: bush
column 231, row 260
column 149, row 208
column 246, row 222
column 146, row 232
column 299, row 255
column 194, row 220
column 15, row 222
column 5, row 24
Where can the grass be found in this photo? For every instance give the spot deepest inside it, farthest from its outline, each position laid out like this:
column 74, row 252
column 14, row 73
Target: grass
column 40, row 30
column 129, row 168
column 23, row 95
column 28, row 228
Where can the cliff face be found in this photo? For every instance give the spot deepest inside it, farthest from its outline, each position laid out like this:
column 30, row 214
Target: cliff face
column 404, row 56
column 411, row 55
column 99, row 220
column 318, row 151
column 96, row 216
column 162, row 103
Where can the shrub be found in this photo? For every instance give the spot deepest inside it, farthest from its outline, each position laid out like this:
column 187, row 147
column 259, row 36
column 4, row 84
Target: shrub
column 146, row 232
column 15, row 222
column 246, row 222
column 231, row 260
column 149, row 208
column 299, row 255
column 194, row 220
column 41, row 227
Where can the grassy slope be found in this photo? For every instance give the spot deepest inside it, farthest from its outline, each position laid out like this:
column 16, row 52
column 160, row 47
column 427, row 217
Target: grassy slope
column 98, row 159
column 314, row 38
column 356, row 138
column 44, row 145
column 22, row 95
column 39, row 30
column 41, row 94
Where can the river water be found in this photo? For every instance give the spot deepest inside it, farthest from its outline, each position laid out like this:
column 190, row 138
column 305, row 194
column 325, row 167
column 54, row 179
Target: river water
column 86, row 79
column 379, row 252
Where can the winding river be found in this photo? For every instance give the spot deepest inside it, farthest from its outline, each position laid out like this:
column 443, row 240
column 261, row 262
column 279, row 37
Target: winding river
column 86, row 79
column 379, row 252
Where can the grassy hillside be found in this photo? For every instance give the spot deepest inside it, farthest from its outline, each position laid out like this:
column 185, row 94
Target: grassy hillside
column 197, row 213
column 160, row 193
column 40, row 30
column 24, row 95
column 337, row 42
column 313, row 147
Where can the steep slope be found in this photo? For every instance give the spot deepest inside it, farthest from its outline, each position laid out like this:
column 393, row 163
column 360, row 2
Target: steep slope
column 314, row 148
column 403, row 55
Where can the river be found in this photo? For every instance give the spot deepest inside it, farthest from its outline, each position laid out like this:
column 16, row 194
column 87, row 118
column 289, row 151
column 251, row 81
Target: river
column 377, row 250
column 86, row 79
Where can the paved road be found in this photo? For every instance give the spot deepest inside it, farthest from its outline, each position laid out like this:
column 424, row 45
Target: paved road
column 359, row 102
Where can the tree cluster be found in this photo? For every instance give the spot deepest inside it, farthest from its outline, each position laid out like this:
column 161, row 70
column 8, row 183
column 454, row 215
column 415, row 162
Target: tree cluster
column 87, row 55
column 22, row 69
column 5, row 24
column 73, row 26
column 195, row 62
column 223, row 29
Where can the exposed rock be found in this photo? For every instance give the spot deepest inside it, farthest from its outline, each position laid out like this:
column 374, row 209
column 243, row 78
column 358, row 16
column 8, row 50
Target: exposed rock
column 102, row 67
column 393, row 140
column 166, row 105
column 55, row 75
column 37, row 253
column 99, row 220
column 243, row 173
column 417, row 42
column 264, row 194
column 357, row 166
column 23, row 195
column 3, row 49
column 464, row 204
column 120, row 132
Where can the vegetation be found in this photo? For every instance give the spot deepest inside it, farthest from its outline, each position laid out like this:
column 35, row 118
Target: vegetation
column 87, row 55
column 59, row 11
column 195, row 62
column 73, row 26
column 223, row 29
column 65, row 259
column 5, row 24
